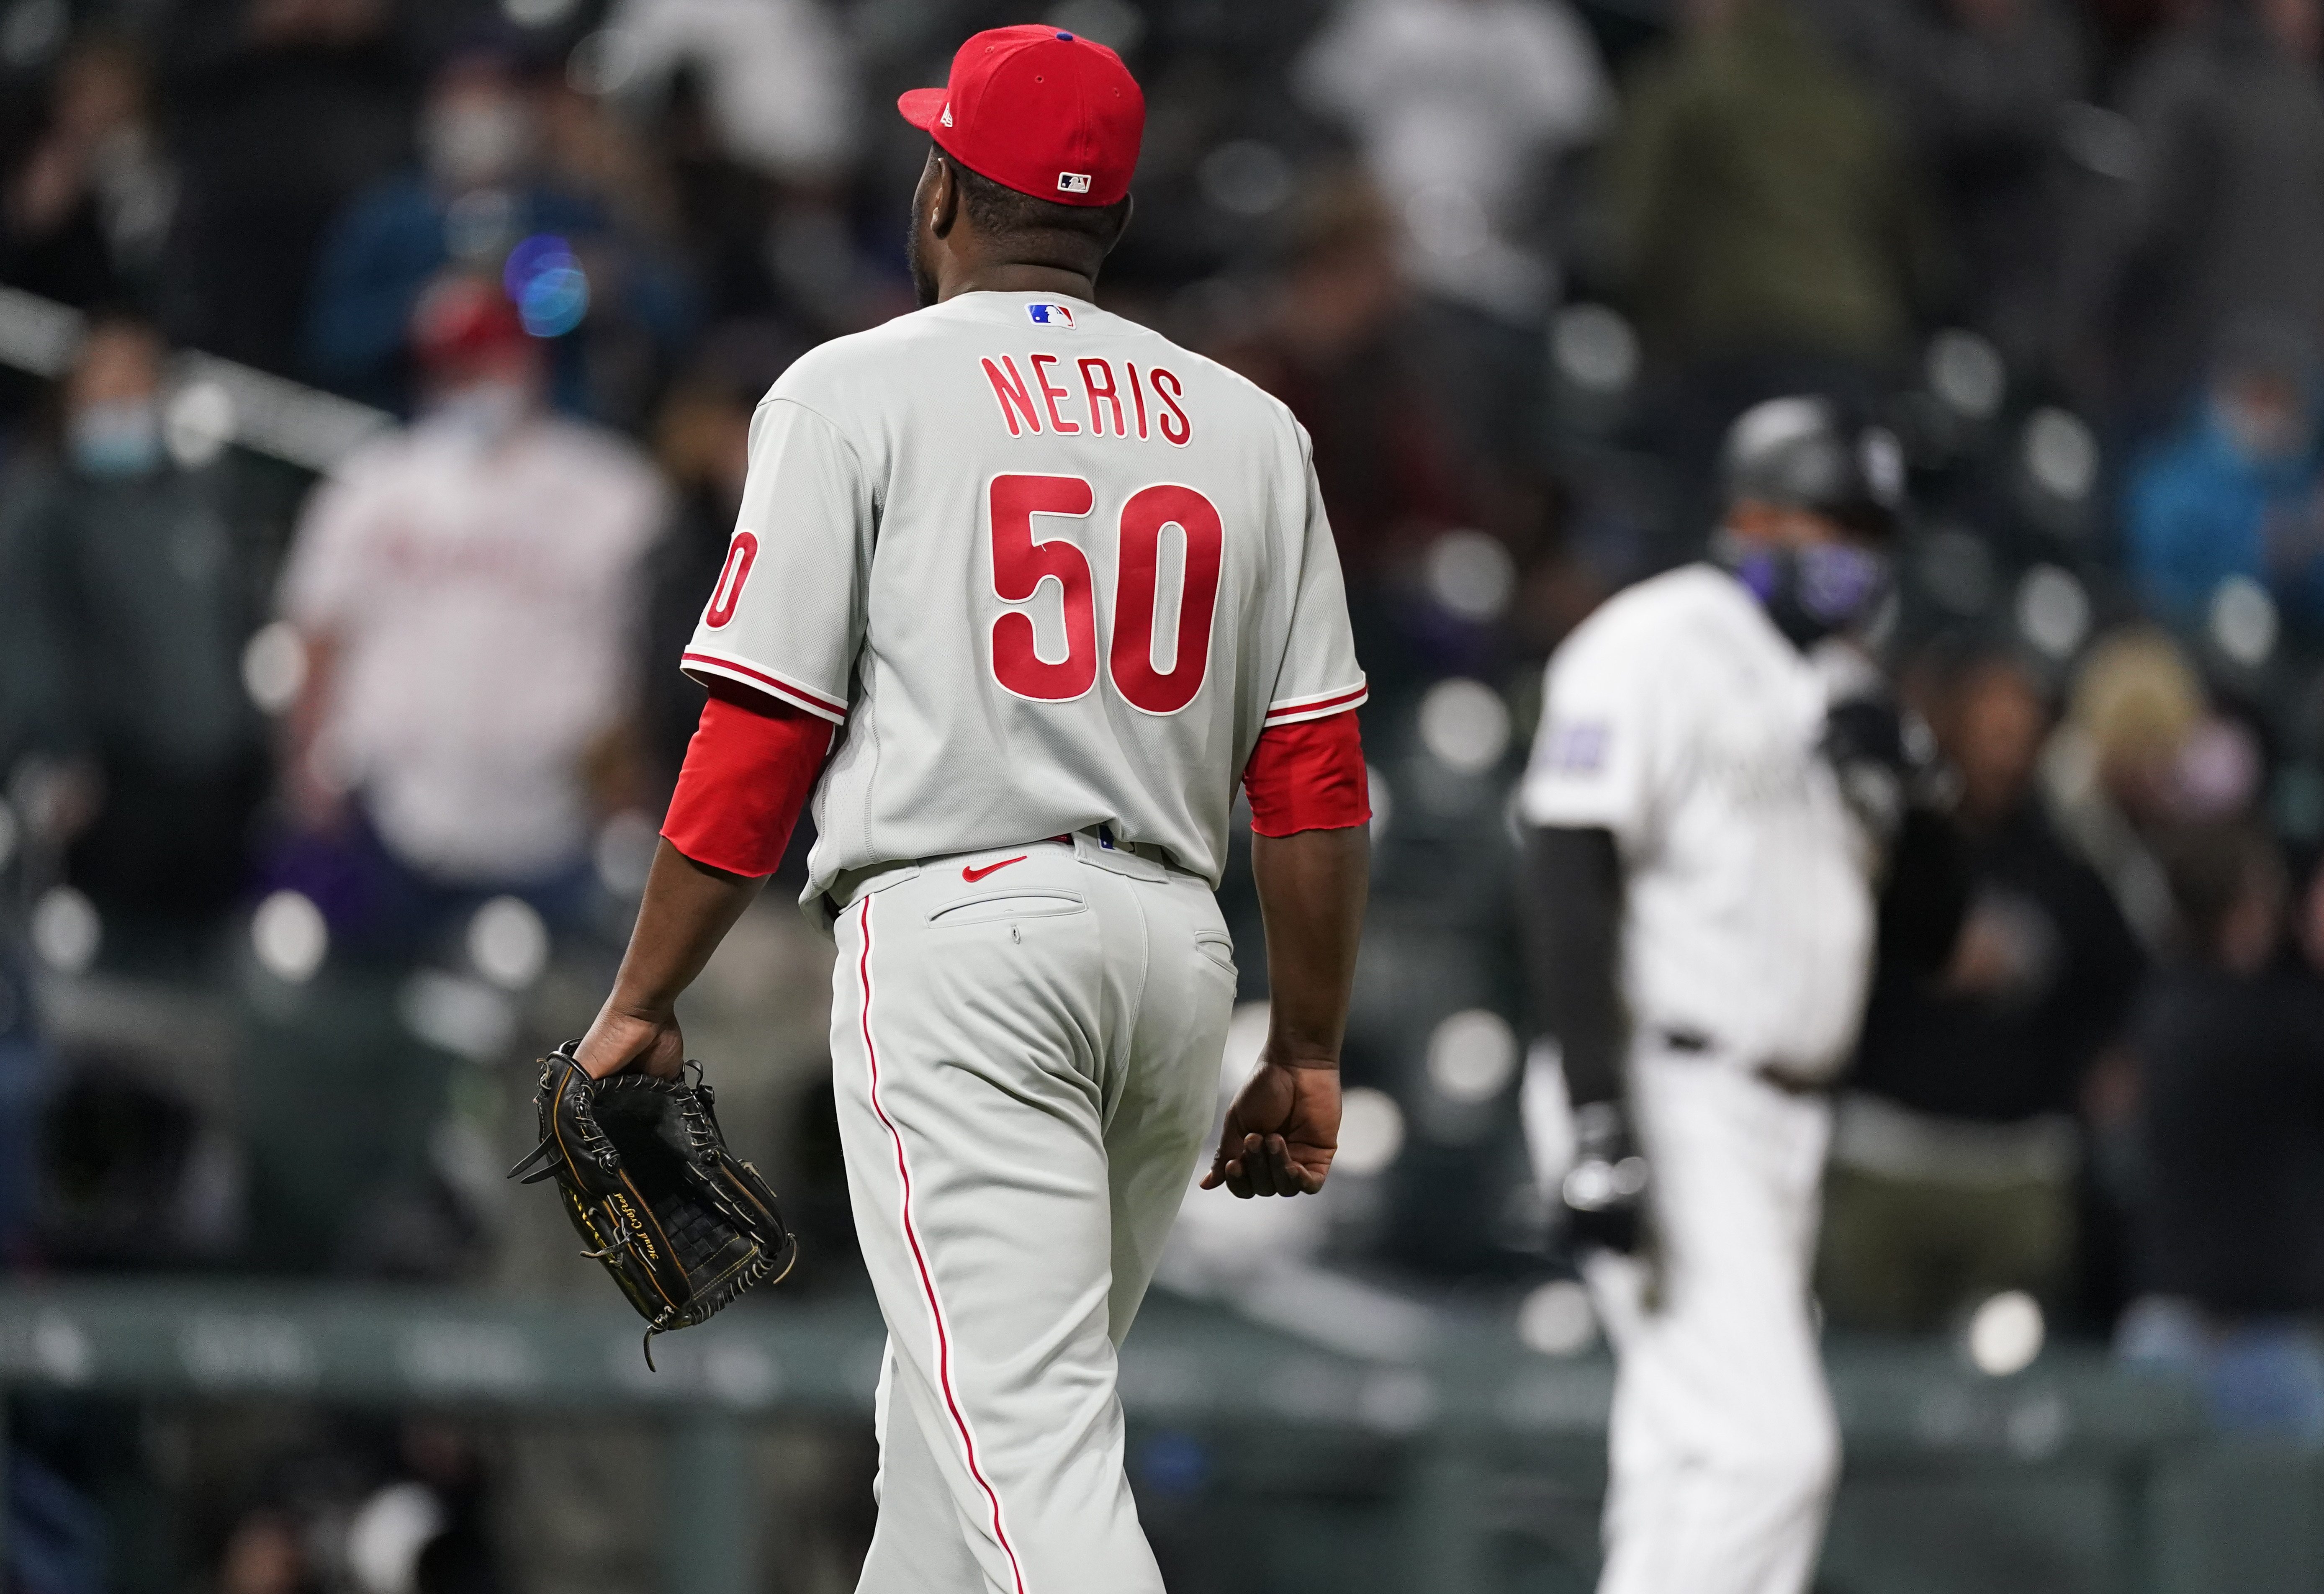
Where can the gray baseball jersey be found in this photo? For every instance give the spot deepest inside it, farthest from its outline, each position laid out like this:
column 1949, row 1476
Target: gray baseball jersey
column 1049, row 570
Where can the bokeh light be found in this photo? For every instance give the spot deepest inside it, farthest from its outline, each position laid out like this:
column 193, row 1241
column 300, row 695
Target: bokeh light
column 1472, row 575
column 1371, row 1132
column 1464, row 725
column 1473, row 1055
column 1555, row 1319
column 67, row 930
column 274, row 666
column 290, row 937
column 546, row 280
column 508, row 943
column 2006, row 1334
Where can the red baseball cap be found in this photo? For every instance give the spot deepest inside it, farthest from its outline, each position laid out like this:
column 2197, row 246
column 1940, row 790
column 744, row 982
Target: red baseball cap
column 1038, row 110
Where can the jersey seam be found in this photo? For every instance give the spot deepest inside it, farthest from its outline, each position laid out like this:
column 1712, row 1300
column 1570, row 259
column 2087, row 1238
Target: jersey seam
column 854, row 456
column 1297, row 584
column 871, row 722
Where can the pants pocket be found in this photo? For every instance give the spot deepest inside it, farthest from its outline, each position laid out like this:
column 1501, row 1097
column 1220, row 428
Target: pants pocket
column 995, row 906
column 1218, row 947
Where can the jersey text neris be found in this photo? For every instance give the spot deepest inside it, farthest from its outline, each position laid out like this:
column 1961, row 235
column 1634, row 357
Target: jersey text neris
column 1069, row 396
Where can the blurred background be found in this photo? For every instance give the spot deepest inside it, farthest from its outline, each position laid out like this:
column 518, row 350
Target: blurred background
column 373, row 385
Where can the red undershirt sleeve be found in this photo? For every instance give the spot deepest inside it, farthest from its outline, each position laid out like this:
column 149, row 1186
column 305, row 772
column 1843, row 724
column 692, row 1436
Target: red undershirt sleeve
column 748, row 771
column 1308, row 776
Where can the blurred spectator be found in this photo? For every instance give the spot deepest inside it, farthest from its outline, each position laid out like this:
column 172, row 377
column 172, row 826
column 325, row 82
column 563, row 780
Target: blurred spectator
column 1955, row 1151
column 25, row 1074
column 726, row 208
column 281, row 110
column 703, row 441
column 761, row 239
column 26, row 1079
column 2111, row 772
column 489, row 200
column 1763, row 202
column 130, row 1174
column 2211, row 207
column 1978, row 87
column 2230, row 1222
column 777, row 76
column 265, row 1555
column 1458, row 105
column 1337, row 342
column 63, row 1451
column 320, row 1502
column 136, row 632
column 470, row 595
column 2235, row 490
column 84, row 217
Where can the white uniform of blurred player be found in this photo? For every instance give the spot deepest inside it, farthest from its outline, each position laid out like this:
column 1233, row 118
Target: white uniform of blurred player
column 1062, row 585
column 1703, row 918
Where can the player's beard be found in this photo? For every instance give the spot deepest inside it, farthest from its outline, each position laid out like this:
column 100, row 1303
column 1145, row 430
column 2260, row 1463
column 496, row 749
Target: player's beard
column 924, row 280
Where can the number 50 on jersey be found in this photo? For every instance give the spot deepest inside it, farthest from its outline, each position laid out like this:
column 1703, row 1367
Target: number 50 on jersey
column 1156, row 679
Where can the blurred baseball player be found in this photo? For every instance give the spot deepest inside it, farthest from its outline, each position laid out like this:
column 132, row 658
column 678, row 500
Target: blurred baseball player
column 1709, row 802
column 1058, row 584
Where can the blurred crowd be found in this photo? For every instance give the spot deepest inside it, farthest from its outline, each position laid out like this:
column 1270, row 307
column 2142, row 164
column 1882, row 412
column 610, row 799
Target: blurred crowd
column 329, row 782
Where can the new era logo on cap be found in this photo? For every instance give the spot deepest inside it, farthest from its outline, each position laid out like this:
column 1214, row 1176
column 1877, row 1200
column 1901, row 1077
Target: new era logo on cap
column 1050, row 315
column 1073, row 182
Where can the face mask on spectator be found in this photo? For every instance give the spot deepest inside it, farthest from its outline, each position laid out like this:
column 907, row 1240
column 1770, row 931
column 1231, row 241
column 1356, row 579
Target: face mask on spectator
column 118, row 438
column 2261, row 433
column 487, row 410
column 473, row 142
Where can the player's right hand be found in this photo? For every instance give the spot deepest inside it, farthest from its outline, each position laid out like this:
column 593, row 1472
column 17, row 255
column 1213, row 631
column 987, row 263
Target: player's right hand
column 1281, row 1133
column 1604, row 1193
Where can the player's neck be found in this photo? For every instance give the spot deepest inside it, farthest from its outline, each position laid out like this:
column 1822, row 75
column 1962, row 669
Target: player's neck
column 1014, row 277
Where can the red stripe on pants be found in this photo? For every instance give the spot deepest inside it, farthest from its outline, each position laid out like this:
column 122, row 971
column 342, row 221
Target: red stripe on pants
column 919, row 1258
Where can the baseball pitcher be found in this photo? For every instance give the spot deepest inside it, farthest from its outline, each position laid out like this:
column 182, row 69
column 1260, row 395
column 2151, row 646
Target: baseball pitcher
column 1019, row 591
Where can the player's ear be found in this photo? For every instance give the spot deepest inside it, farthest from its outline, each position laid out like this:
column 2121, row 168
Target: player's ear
column 941, row 196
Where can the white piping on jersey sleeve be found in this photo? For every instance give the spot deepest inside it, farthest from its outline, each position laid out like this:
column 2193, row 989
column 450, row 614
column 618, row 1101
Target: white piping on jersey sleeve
column 1317, row 706
column 700, row 664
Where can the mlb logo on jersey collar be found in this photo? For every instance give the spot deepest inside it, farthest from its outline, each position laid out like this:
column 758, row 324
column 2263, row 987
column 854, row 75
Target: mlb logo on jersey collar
column 1050, row 315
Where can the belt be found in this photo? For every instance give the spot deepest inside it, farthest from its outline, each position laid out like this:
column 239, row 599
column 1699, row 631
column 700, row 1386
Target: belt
column 854, row 883
column 1103, row 835
column 1694, row 1043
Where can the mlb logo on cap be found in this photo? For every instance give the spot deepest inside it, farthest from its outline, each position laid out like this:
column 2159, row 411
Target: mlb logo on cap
column 1073, row 182
column 1049, row 315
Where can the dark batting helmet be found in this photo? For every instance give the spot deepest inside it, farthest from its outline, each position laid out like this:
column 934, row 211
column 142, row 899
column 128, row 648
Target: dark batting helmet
column 1806, row 452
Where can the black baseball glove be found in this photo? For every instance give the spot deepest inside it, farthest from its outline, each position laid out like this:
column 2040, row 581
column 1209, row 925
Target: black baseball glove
column 681, row 1224
column 1887, row 762
column 1604, row 1193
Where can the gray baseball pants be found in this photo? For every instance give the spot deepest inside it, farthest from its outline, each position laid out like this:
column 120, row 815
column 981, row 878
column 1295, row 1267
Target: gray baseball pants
column 1025, row 1047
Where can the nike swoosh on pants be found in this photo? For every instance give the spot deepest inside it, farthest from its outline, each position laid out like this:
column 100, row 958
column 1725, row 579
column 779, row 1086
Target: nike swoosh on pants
column 974, row 875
